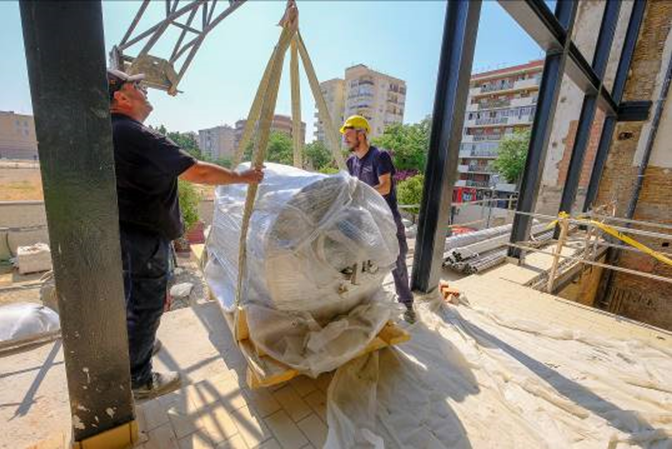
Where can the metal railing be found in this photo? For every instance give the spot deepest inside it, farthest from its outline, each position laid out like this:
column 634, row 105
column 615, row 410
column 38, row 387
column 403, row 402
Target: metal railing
column 492, row 121
column 494, row 87
column 482, row 137
column 494, row 104
column 597, row 228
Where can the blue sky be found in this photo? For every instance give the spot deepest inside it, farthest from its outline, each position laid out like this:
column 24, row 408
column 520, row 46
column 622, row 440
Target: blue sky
column 401, row 38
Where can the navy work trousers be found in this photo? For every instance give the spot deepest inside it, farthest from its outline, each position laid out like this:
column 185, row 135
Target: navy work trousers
column 145, row 258
column 400, row 273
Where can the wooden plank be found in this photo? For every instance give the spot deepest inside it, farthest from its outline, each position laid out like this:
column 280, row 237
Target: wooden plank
column 198, row 250
column 393, row 334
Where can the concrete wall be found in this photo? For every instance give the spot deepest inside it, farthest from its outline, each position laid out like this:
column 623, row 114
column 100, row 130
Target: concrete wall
column 19, row 214
column 467, row 215
column 16, row 215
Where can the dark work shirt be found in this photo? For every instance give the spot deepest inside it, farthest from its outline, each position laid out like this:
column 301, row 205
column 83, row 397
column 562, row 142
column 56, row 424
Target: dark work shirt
column 147, row 167
column 368, row 169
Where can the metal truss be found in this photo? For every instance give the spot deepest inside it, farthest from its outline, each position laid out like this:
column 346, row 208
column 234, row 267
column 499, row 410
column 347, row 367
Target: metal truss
column 195, row 19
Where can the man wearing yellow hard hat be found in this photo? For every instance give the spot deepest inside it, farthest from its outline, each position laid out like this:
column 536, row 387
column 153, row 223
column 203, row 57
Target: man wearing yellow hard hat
column 375, row 168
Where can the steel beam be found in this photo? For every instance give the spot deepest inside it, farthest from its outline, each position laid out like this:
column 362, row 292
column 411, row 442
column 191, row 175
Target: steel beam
column 65, row 55
column 631, row 35
column 634, row 111
column 457, row 53
column 550, row 34
column 554, row 68
column 588, row 109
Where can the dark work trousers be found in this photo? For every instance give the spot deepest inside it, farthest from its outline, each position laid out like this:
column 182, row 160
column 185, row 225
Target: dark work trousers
column 145, row 256
column 400, row 273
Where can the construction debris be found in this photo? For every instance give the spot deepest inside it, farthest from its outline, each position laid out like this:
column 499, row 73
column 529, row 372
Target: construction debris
column 179, row 291
column 34, row 258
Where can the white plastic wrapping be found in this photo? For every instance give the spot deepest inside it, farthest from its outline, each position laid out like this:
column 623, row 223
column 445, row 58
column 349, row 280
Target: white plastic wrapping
column 306, row 230
column 23, row 322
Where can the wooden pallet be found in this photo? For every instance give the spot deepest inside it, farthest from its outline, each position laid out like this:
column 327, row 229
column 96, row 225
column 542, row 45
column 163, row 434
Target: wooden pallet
column 262, row 369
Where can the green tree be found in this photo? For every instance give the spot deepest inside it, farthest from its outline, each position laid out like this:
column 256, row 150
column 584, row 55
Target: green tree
column 512, row 154
column 409, row 192
column 189, row 199
column 327, row 170
column 407, row 143
column 317, row 156
column 186, row 141
column 280, row 149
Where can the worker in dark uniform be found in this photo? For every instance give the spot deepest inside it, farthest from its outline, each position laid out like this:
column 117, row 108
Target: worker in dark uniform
column 147, row 167
column 375, row 168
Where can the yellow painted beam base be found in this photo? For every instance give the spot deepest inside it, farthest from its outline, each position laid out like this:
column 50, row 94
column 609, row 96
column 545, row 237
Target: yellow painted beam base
column 121, row 437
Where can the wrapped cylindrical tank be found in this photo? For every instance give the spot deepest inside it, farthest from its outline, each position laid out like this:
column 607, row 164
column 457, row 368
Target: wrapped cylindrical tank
column 318, row 249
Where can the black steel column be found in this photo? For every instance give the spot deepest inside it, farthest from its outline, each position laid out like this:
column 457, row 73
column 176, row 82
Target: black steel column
column 66, row 66
column 554, row 68
column 600, row 60
column 636, row 18
column 457, row 53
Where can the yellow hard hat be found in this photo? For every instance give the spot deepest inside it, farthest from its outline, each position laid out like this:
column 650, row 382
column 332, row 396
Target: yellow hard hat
column 356, row 121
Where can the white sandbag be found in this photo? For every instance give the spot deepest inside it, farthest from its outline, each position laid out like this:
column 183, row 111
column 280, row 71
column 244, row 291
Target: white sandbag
column 26, row 322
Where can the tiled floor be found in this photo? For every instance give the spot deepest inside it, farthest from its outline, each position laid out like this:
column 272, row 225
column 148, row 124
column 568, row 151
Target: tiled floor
column 215, row 409
column 221, row 412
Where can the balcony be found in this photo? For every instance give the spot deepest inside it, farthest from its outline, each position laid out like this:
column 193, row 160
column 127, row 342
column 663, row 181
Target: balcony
column 491, row 121
column 486, row 169
column 360, row 95
column 487, row 137
column 492, row 104
column 522, row 102
column 495, row 87
column 527, row 84
column 472, row 107
column 522, row 120
column 480, row 184
column 476, row 154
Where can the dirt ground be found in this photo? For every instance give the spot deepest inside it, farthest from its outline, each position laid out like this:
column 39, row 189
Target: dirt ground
column 23, row 182
column 20, row 182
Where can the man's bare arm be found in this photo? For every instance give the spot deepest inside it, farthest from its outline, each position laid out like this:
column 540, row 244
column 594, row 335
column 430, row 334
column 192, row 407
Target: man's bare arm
column 211, row 174
column 385, row 185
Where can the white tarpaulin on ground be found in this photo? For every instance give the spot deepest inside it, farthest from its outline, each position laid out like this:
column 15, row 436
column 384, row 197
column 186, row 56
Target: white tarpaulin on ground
column 471, row 378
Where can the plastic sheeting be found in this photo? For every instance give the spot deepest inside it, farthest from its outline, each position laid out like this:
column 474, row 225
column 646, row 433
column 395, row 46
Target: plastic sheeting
column 472, row 378
column 26, row 322
column 306, row 230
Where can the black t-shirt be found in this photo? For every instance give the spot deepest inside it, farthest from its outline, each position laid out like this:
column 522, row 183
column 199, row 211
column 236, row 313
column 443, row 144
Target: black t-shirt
column 147, row 167
column 368, row 169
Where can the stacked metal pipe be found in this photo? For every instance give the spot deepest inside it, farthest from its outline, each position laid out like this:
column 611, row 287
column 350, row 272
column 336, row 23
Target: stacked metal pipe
column 483, row 250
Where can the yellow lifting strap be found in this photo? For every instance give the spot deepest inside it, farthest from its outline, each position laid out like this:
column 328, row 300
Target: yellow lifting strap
column 261, row 114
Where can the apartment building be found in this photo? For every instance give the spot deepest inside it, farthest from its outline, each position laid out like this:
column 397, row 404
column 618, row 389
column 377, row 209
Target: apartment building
column 500, row 102
column 333, row 91
column 378, row 97
column 17, row 136
column 218, row 142
column 281, row 123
